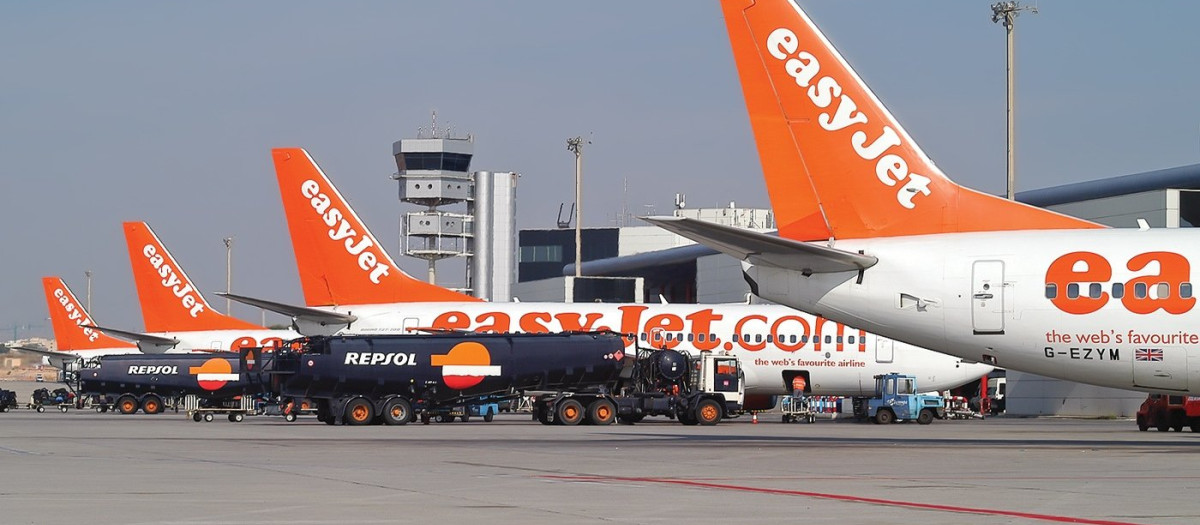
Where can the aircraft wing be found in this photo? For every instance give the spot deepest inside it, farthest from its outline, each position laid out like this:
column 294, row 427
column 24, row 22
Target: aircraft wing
column 53, row 354
column 148, row 344
column 763, row 249
column 298, row 313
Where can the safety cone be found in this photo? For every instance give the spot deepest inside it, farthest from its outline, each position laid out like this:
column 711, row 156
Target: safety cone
column 754, row 417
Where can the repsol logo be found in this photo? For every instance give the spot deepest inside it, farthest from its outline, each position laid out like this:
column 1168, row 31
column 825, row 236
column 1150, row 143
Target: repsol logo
column 147, row 370
column 891, row 169
column 380, row 358
column 356, row 244
column 173, row 282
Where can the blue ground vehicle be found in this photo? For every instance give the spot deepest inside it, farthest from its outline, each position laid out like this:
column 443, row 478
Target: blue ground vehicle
column 896, row 399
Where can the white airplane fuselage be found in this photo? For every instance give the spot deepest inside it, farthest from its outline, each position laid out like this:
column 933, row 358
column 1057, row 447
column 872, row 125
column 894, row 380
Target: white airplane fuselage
column 1105, row 307
column 774, row 342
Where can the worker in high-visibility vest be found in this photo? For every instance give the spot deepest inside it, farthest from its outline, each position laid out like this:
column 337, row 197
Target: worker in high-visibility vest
column 798, row 386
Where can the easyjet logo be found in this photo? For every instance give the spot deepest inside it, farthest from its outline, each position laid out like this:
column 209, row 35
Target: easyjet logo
column 356, row 244
column 870, row 142
column 187, row 295
column 1082, row 282
column 75, row 313
column 753, row 333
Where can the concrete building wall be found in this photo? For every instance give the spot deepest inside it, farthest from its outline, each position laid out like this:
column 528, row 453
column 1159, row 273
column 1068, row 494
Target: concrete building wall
column 1034, row 395
column 545, row 290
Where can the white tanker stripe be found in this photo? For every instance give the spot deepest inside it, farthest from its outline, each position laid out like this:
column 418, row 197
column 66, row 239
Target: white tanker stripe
column 217, row 377
column 470, row 370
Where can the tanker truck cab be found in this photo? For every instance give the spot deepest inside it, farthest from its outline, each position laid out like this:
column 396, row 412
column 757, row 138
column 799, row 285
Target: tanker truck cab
column 720, row 377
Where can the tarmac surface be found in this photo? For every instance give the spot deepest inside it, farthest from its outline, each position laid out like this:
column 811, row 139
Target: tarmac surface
column 84, row 467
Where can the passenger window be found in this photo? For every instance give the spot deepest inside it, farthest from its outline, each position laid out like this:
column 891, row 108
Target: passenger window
column 770, row 338
column 1118, row 290
column 1072, row 290
column 691, row 337
column 1139, row 290
column 804, row 338
column 1185, row 290
column 839, row 339
column 700, row 337
column 792, row 339
column 828, row 339
column 1051, row 291
column 643, row 337
column 1094, row 290
column 851, row 341
column 736, row 338
column 1162, row 290
column 757, row 338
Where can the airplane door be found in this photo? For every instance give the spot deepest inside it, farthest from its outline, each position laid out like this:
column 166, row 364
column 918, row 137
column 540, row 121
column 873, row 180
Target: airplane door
column 884, row 349
column 410, row 323
column 987, row 297
column 1164, row 368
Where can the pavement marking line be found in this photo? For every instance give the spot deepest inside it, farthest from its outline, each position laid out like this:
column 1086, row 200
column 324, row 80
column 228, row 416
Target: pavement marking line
column 843, row 497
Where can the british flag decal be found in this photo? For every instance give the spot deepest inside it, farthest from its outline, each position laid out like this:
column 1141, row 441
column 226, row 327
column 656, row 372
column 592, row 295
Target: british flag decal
column 1148, row 354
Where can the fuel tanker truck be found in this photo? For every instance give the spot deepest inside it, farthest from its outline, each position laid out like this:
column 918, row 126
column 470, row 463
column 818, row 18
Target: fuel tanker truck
column 201, row 384
column 573, row 377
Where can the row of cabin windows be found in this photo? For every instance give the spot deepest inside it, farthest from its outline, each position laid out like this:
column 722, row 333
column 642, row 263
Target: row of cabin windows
column 1140, row 290
column 758, row 338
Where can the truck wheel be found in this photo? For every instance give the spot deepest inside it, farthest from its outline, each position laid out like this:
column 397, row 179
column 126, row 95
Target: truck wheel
column 397, row 411
column 63, row 409
column 884, row 416
column 359, row 412
column 487, row 418
column 127, row 404
column 925, row 417
column 1163, row 426
column 568, row 412
column 445, row 418
column 237, row 417
column 40, row 409
column 1141, row 423
column 542, row 414
column 197, row 417
column 152, row 404
column 289, row 418
column 602, row 412
column 208, row 417
column 708, row 412
column 466, row 417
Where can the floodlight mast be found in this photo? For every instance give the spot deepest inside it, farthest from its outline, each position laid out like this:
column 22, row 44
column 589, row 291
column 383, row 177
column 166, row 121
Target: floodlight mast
column 1006, row 13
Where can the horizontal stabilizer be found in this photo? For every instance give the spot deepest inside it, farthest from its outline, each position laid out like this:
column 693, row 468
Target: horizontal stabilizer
column 766, row 250
column 298, row 313
column 148, row 344
column 52, row 354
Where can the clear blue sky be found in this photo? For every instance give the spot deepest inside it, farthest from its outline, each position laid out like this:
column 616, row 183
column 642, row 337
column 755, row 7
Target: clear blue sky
column 166, row 112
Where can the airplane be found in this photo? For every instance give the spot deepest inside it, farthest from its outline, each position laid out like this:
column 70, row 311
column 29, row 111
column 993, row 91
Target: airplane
column 75, row 334
column 872, row 234
column 352, row 285
column 174, row 312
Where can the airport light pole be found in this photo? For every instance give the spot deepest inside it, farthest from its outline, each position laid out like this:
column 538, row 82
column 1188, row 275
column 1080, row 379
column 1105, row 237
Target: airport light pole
column 228, row 272
column 88, row 275
column 1006, row 13
column 575, row 145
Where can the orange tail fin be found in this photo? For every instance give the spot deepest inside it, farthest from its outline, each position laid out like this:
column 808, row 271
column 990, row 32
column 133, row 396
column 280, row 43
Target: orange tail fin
column 170, row 301
column 340, row 262
column 832, row 155
column 70, row 321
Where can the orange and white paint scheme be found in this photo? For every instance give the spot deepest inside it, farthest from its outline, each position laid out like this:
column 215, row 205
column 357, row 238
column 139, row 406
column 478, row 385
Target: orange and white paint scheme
column 907, row 253
column 173, row 307
column 340, row 261
column 73, row 327
column 74, row 331
column 776, row 343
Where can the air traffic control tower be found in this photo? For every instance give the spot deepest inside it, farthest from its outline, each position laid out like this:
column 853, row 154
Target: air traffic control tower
column 435, row 172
